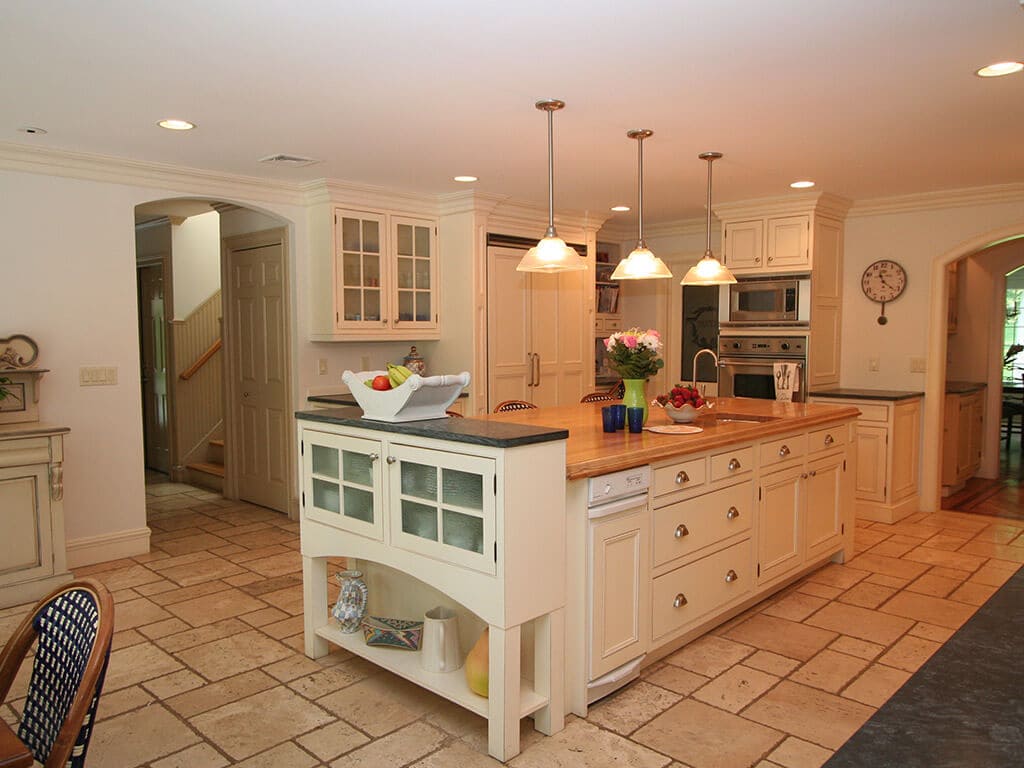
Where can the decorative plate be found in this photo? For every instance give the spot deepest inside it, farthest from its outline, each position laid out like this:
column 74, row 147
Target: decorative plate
column 392, row 633
column 676, row 429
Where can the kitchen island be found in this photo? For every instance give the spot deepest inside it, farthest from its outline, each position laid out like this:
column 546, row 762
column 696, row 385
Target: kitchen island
column 493, row 515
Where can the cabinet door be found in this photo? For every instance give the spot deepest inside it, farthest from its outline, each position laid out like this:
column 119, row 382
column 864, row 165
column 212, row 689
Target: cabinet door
column 787, row 242
column 414, row 289
column 620, row 599
column 557, row 337
column 824, row 506
column 778, row 534
column 744, row 245
column 871, row 462
column 360, row 270
column 974, row 427
column 964, row 445
column 342, row 482
column 442, row 505
column 509, row 361
column 906, row 436
column 27, row 552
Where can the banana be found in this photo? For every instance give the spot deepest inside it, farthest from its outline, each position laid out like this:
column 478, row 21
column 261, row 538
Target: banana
column 398, row 374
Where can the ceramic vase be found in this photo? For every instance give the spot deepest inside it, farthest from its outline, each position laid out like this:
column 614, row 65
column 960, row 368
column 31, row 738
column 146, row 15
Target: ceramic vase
column 477, row 665
column 636, row 394
column 351, row 605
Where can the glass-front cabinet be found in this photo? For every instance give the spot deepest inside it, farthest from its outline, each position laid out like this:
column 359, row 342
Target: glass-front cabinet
column 342, row 482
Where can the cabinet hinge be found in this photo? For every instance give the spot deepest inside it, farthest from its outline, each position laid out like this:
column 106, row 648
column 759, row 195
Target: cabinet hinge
column 302, row 448
column 842, row 527
column 337, row 317
column 303, row 499
column 758, row 569
column 885, row 490
column 495, row 551
column 495, row 488
column 844, row 465
column 759, row 494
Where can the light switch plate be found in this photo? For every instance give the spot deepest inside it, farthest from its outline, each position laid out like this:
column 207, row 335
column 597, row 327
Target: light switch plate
column 97, row 376
column 321, row 367
column 917, row 365
column 872, row 363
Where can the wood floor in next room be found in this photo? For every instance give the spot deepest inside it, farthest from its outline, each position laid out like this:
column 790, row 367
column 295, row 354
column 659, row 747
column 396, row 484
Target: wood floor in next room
column 208, row 671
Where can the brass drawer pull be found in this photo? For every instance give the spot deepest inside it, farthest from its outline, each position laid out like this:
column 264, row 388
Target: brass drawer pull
column 734, row 464
column 731, row 576
column 813, row 472
column 784, row 450
column 732, row 514
column 680, row 601
column 682, row 530
column 682, row 477
column 829, row 439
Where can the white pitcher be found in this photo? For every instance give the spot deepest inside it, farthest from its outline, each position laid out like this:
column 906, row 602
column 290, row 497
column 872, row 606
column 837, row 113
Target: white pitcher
column 439, row 649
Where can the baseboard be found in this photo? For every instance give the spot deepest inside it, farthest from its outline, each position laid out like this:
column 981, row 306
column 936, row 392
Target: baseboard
column 112, row 546
column 887, row 513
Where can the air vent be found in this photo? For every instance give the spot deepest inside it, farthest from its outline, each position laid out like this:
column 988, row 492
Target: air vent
column 295, row 161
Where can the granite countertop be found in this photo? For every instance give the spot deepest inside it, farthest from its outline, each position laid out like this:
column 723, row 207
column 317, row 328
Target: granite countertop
column 473, row 431
column 963, row 387
column 854, row 393
column 345, row 398
column 964, row 707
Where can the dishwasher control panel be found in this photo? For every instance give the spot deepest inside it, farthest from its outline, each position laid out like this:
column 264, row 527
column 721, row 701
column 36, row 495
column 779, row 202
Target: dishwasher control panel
column 618, row 485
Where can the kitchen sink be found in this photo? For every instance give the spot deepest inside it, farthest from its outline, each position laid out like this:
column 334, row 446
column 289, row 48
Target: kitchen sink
column 738, row 418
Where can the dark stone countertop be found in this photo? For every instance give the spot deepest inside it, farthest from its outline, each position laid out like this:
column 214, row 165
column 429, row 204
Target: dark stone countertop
column 345, row 398
column 496, row 434
column 964, row 707
column 963, row 387
column 853, row 393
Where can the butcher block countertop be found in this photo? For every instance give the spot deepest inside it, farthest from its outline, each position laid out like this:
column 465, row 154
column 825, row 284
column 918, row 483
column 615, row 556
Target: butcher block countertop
column 591, row 451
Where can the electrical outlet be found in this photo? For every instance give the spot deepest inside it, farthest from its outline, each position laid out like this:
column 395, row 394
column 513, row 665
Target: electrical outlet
column 917, row 365
column 321, row 367
column 97, row 376
column 872, row 363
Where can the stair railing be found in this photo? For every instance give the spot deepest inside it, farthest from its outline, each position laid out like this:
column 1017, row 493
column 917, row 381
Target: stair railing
column 203, row 359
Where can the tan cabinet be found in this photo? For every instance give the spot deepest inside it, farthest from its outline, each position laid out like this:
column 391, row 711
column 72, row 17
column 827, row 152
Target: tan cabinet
column 743, row 245
column 773, row 243
column 779, row 511
column 962, row 432
column 32, row 559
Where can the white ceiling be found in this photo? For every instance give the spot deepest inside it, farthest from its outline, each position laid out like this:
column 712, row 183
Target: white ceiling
column 869, row 98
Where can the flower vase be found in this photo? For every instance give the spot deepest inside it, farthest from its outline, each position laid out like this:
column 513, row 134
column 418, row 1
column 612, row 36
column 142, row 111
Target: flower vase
column 351, row 603
column 636, row 394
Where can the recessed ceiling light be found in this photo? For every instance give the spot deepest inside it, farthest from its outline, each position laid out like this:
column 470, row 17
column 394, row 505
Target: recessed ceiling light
column 806, row 184
column 32, row 130
column 465, row 179
column 620, row 208
column 173, row 124
column 1000, row 68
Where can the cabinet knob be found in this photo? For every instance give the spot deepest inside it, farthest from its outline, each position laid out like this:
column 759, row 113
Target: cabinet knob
column 374, row 456
column 813, row 472
column 682, row 530
column 803, row 475
column 680, row 601
column 784, row 450
column 829, row 439
column 731, row 576
column 682, row 477
column 390, row 459
column 732, row 514
column 771, row 258
column 734, row 464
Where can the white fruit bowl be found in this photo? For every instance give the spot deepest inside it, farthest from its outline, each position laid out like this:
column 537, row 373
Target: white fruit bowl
column 687, row 413
column 416, row 399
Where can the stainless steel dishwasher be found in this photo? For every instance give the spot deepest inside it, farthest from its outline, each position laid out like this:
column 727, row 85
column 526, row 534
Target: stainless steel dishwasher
column 618, row 567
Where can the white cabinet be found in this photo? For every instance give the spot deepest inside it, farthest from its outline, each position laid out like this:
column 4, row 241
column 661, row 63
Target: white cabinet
column 775, row 243
column 377, row 279
column 472, row 520
column 962, row 431
column 32, row 559
column 888, row 439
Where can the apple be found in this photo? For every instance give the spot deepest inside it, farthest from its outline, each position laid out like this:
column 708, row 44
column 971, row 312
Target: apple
column 381, row 383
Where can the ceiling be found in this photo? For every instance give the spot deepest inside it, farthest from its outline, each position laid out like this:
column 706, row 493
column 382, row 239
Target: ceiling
column 869, row 98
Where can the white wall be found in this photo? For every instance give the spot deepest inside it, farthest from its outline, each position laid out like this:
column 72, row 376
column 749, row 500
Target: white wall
column 195, row 258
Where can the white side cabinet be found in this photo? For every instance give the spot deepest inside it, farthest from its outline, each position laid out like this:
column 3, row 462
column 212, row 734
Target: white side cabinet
column 471, row 510
column 32, row 560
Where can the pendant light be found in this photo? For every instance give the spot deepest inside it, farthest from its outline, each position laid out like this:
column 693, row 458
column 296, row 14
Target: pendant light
column 551, row 254
column 641, row 264
column 709, row 270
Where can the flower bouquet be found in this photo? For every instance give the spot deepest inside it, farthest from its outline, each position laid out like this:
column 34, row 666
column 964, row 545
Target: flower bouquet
column 633, row 354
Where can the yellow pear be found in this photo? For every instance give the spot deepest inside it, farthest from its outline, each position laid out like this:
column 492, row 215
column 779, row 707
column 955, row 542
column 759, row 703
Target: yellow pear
column 477, row 665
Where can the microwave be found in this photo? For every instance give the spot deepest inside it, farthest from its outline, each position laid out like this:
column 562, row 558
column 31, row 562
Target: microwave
column 766, row 301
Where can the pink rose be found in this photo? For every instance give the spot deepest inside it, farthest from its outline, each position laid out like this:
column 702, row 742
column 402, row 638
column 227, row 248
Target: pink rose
column 607, row 343
column 654, row 333
column 630, row 342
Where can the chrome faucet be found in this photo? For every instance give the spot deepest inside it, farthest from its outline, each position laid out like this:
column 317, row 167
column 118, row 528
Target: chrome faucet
column 709, row 351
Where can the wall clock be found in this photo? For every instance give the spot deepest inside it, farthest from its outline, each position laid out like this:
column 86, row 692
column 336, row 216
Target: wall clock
column 884, row 281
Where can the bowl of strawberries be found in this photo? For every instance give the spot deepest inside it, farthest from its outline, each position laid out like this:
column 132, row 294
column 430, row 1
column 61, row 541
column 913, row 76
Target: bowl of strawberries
column 684, row 403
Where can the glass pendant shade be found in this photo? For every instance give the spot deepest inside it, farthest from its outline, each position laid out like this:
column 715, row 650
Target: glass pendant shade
column 641, row 264
column 551, row 254
column 709, row 270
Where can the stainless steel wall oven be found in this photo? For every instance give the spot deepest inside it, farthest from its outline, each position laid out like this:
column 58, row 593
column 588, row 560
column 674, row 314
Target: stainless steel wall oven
column 747, row 365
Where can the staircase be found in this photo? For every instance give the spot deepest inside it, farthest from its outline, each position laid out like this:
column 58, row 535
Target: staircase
column 210, row 473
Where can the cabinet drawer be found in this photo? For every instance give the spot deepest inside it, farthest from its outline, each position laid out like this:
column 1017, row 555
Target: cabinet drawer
column 677, row 477
column 687, row 594
column 827, row 439
column 873, row 412
column 690, row 525
column 612, row 323
column 783, row 449
column 732, row 463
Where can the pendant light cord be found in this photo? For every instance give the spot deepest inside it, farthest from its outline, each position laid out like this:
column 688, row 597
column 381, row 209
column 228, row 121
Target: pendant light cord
column 640, row 193
column 551, row 173
column 707, row 249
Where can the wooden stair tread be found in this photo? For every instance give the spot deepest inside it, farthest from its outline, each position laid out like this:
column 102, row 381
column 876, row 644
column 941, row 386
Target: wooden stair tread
column 208, row 467
column 219, row 443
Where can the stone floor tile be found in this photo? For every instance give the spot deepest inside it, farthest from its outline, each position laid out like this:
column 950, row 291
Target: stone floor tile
column 206, row 570
column 891, row 548
column 931, row 632
column 192, row 544
column 200, row 756
column 916, row 530
column 320, row 682
column 710, row 655
column 215, row 607
column 133, row 575
column 868, row 537
column 786, row 638
column 453, row 719
column 876, row 685
column 890, row 566
column 861, row 623
column 949, row 573
column 973, row 593
column 217, row 694
column 816, row 716
column 170, row 626
column 994, row 573
column 581, row 745
column 277, row 565
column 126, row 638
column 206, row 634
column 853, row 646
column 934, row 585
column 735, row 688
column 1000, row 534
column 867, row 595
column 626, row 710
column 796, row 606
column 398, row 748
column 130, row 666
column 177, row 560
column 476, row 737
column 819, row 590
column 945, row 559
column 457, row 754
column 675, row 679
column 377, row 705
column 836, row 575
column 333, row 740
column 772, row 663
column 292, row 667
column 285, row 628
column 797, row 753
column 887, row 581
column 933, row 610
column 122, row 596
column 115, row 702
column 182, row 594
column 281, row 714
column 171, row 685
column 288, row 600
column 830, row 671
column 261, row 538
column 234, row 654
column 285, row 755
column 909, row 653
column 1005, row 552
column 138, row 737
column 263, row 617
column 947, row 541
column 243, row 579
column 705, row 737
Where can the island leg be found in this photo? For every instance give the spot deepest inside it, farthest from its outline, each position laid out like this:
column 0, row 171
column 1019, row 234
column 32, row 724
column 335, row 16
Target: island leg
column 503, row 693
column 549, row 671
column 314, row 603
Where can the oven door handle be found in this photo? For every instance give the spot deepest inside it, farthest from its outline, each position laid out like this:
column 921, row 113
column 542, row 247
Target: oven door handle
column 727, row 363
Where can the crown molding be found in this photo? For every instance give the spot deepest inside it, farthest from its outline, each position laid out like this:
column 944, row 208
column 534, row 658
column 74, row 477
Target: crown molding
column 118, row 170
column 468, row 201
column 822, row 203
column 361, row 196
column 950, row 198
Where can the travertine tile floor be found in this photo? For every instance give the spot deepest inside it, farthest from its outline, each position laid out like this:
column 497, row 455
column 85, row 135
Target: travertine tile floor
column 207, row 668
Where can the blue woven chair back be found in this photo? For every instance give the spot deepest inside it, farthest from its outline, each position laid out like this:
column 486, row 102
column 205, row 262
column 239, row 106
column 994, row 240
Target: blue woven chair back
column 67, row 629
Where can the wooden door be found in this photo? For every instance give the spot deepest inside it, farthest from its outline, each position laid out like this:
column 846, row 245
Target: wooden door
column 509, row 364
column 258, row 350
column 559, row 337
column 153, row 355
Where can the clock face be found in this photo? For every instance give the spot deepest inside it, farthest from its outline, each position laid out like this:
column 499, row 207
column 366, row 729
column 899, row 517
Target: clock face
column 883, row 281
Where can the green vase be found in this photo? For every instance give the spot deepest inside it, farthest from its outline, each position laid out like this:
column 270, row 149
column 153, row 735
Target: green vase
column 636, row 394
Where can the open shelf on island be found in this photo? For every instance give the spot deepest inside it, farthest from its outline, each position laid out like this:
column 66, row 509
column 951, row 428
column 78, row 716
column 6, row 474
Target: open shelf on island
column 450, row 685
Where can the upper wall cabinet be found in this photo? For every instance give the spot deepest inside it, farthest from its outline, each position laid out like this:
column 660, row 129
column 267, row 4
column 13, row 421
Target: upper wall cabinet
column 376, row 279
